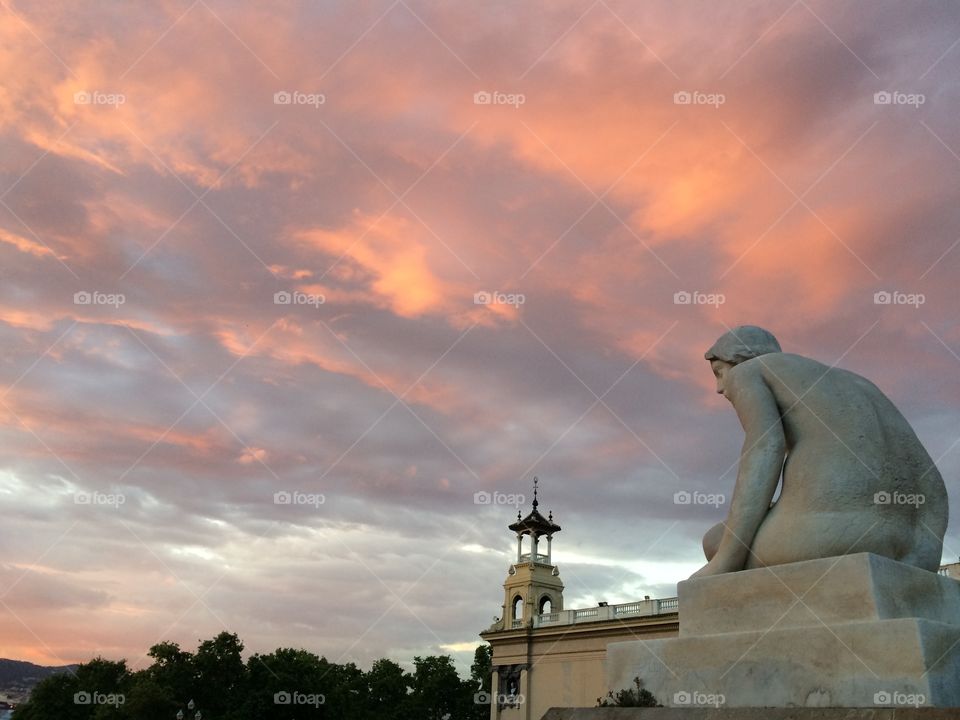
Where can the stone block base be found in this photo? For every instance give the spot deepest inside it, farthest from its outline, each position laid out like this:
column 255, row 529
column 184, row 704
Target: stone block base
column 750, row 714
column 858, row 631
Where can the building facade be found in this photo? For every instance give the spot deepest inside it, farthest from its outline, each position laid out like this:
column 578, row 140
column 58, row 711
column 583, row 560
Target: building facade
column 951, row 570
column 545, row 655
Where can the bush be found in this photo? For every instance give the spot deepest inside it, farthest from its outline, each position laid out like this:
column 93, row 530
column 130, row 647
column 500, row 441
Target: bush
column 637, row 696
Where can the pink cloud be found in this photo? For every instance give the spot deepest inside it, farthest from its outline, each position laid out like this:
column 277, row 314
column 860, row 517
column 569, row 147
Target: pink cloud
column 397, row 200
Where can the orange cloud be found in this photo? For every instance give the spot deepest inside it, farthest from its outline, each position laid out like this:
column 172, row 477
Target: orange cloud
column 390, row 251
column 25, row 245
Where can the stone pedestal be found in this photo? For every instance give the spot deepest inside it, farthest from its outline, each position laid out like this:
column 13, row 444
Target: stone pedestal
column 854, row 631
column 749, row 714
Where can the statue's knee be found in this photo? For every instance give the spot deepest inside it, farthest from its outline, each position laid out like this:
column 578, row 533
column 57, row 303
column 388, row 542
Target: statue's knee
column 711, row 541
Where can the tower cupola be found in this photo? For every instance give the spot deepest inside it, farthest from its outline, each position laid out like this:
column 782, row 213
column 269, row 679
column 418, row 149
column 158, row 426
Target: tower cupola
column 533, row 586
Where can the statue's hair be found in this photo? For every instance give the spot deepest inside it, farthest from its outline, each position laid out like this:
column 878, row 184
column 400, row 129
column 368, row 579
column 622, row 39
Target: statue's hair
column 743, row 343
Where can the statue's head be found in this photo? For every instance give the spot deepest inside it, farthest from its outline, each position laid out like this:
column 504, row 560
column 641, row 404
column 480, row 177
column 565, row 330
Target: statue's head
column 743, row 343
column 734, row 347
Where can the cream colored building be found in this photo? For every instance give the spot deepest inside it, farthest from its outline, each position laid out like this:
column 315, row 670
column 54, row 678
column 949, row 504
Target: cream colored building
column 546, row 656
column 952, row 570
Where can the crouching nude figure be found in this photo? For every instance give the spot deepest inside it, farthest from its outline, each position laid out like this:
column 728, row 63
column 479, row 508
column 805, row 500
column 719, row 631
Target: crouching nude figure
column 853, row 475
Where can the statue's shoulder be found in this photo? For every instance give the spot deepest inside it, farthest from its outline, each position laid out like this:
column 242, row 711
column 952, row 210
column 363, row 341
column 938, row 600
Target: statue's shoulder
column 780, row 360
column 775, row 366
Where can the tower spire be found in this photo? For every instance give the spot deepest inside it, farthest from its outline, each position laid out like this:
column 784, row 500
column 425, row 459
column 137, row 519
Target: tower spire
column 533, row 585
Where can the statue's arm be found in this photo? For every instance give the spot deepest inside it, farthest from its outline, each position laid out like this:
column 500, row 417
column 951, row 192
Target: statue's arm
column 761, row 462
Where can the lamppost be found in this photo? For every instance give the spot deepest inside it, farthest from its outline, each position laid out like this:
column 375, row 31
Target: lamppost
column 190, row 706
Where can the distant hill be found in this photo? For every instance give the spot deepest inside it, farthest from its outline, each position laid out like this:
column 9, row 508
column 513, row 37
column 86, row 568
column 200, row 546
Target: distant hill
column 20, row 674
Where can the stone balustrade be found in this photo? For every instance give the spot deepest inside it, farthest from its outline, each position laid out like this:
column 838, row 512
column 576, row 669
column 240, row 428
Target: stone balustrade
column 607, row 612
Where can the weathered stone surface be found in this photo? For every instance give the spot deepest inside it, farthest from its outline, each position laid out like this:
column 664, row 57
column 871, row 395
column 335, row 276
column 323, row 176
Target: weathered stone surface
column 844, row 665
column 853, row 476
column 751, row 714
column 862, row 629
column 843, row 589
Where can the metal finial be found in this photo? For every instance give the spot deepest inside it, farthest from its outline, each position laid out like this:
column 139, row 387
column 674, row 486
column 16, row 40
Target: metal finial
column 550, row 518
column 535, row 503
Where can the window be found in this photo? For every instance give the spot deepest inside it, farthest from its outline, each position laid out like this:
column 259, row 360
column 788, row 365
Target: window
column 517, row 608
column 546, row 605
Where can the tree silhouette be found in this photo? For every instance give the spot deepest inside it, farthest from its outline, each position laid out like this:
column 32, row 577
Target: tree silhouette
column 287, row 684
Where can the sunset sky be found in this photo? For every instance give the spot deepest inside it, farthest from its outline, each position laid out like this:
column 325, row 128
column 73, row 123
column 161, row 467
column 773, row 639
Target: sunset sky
column 157, row 189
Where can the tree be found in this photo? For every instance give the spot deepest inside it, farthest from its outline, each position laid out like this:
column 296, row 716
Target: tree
column 146, row 699
column 94, row 692
column 481, row 676
column 173, row 669
column 437, row 689
column 221, row 676
column 345, row 689
column 51, row 699
column 287, row 684
column 101, row 686
column 388, row 688
column 481, row 670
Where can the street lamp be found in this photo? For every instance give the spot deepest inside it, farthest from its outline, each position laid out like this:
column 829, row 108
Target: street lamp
column 190, row 706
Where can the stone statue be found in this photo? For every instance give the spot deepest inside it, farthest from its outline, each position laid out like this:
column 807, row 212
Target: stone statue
column 855, row 477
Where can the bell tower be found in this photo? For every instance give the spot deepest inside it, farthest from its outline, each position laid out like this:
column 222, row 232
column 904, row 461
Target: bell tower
column 533, row 586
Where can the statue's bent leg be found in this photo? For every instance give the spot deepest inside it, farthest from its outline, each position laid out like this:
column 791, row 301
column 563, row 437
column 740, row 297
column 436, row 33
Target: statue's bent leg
column 711, row 541
column 927, row 548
